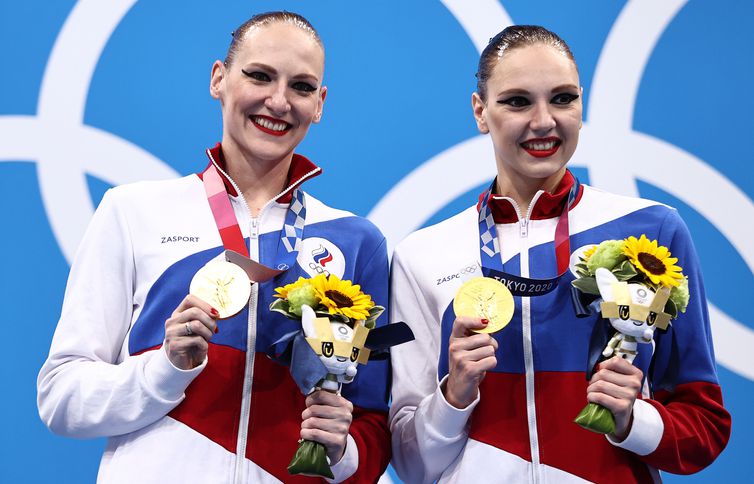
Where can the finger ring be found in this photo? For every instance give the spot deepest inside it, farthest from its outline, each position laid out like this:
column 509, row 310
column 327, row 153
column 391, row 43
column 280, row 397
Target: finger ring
column 189, row 332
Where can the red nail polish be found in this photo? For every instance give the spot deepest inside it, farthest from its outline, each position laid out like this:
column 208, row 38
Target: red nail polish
column 217, row 329
column 214, row 312
column 485, row 321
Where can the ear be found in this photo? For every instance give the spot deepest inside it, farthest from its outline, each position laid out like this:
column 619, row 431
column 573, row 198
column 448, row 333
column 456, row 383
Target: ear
column 320, row 104
column 307, row 321
column 479, row 108
column 216, row 79
column 605, row 280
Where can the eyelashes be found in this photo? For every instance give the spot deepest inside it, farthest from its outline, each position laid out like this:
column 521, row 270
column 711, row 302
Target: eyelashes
column 303, row 86
column 256, row 75
column 259, row 76
column 517, row 101
column 564, row 98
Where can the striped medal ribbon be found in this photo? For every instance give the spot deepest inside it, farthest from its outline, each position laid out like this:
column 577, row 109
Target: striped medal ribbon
column 233, row 241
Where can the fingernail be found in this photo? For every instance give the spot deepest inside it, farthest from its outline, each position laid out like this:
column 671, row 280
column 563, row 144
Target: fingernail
column 217, row 329
column 485, row 321
column 214, row 312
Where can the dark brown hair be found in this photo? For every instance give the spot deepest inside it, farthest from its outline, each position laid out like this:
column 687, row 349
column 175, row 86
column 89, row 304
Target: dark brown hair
column 268, row 18
column 511, row 38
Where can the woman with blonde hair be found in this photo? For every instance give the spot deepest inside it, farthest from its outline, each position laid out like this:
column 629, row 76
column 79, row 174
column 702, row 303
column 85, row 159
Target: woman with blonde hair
column 183, row 392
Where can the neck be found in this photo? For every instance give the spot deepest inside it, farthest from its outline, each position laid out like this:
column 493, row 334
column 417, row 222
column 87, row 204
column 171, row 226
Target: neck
column 522, row 189
column 258, row 180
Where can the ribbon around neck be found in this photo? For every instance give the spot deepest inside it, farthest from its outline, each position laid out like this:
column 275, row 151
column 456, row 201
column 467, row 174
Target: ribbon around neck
column 230, row 232
column 489, row 249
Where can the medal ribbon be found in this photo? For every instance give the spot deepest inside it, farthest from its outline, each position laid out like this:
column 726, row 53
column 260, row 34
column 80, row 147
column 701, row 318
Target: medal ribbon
column 230, row 232
column 489, row 249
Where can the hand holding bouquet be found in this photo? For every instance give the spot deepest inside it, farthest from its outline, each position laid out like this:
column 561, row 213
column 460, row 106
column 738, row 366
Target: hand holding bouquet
column 641, row 290
column 336, row 318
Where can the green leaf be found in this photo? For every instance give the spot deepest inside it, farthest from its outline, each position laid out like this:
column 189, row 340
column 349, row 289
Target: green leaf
column 671, row 309
column 587, row 285
column 582, row 270
column 625, row 271
column 323, row 312
column 282, row 306
column 374, row 313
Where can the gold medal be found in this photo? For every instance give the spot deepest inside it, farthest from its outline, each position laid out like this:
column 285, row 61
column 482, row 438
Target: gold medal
column 223, row 285
column 485, row 298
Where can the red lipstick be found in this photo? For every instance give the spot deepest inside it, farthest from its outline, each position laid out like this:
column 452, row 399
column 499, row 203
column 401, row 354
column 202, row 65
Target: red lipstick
column 542, row 147
column 272, row 125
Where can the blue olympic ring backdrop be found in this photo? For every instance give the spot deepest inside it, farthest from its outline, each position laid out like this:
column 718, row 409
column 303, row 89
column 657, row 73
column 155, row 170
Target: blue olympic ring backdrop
column 96, row 94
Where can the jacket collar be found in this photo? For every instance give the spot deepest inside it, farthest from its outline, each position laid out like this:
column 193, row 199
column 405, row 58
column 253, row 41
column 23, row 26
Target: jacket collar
column 547, row 205
column 301, row 169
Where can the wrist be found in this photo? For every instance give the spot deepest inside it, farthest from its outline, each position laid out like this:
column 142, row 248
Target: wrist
column 453, row 397
column 622, row 431
column 336, row 454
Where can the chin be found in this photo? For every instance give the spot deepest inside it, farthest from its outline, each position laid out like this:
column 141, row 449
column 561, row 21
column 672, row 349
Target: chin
column 268, row 150
column 543, row 169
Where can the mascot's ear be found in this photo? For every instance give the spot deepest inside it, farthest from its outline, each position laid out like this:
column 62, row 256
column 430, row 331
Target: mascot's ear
column 307, row 321
column 605, row 280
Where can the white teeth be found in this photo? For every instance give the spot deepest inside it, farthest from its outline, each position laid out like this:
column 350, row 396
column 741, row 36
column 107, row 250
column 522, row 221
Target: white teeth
column 548, row 145
column 269, row 124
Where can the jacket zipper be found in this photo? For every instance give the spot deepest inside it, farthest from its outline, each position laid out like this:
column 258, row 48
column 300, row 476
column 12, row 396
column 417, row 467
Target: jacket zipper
column 251, row 338
column 251, row 334
column 531, row 410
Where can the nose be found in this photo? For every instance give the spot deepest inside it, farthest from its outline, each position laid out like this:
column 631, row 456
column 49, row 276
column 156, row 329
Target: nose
column 277, row 101
column 542, row 119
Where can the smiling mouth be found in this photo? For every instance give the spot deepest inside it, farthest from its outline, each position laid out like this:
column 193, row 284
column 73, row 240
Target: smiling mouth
column 271, row 126
column 541, row 147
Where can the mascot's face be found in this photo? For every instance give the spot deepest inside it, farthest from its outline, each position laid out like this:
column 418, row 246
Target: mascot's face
column 339, row 346
column 633, row 309
column 644, row 329
column 341, row 336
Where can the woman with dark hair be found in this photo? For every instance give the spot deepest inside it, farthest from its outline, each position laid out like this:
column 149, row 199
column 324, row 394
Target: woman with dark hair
column 183, row 392
column 470, row 406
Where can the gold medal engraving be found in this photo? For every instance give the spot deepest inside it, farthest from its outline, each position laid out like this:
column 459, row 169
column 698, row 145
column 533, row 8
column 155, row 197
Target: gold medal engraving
column 223, row 285
column 485, row 298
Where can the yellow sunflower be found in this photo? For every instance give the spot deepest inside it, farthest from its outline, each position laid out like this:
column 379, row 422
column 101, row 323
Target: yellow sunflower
column 342, row 297
column 282, row 292
column 588, row 253
column 656, row 262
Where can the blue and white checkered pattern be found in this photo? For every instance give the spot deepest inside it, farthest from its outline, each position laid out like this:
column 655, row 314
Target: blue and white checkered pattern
column 487, row 231
column 293, row 229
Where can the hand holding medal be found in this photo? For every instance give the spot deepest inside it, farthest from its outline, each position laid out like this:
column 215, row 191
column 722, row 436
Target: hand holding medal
column 219, row 290
column 482, row 306
column 223, row 285
column 485, row 298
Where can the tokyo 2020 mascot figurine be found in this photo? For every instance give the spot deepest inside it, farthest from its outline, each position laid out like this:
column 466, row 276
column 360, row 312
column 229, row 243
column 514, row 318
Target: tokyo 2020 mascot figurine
column 635, row 311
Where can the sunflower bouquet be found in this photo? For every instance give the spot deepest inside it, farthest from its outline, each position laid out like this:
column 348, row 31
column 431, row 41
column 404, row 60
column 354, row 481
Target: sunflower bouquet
column 642, row 289
column 328, row 296
column 335, row 317
column 640, row 261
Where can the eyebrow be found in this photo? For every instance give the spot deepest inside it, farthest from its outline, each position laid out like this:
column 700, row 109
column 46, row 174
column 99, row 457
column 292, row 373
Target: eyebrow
column 272, row 70
column 518, row 91
column 565, row 87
